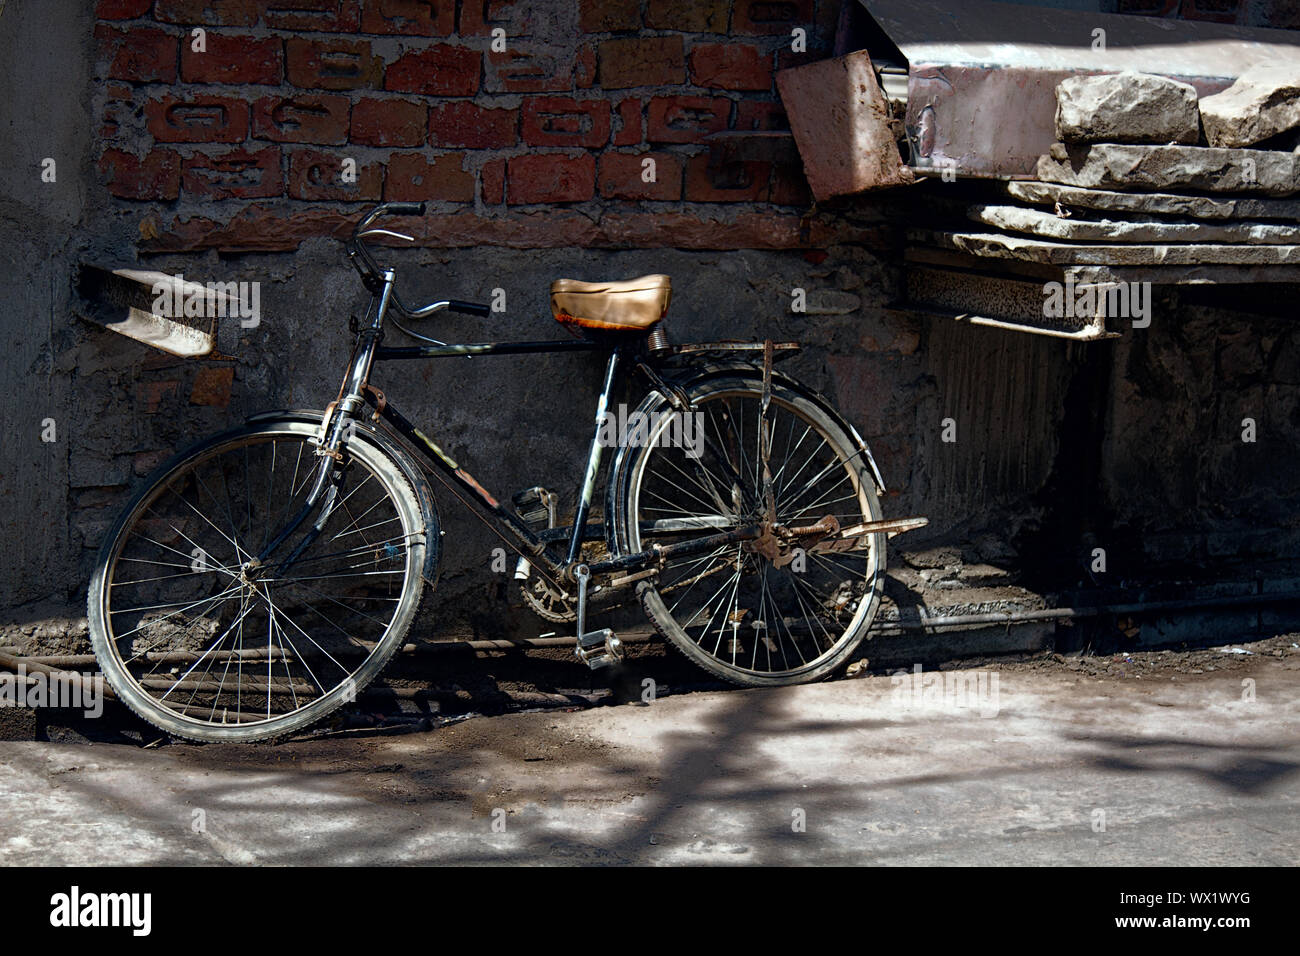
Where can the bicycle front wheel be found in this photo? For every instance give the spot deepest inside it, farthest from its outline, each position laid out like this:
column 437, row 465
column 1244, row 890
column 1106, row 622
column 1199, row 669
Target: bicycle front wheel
column 759, row 616
column 202, row 648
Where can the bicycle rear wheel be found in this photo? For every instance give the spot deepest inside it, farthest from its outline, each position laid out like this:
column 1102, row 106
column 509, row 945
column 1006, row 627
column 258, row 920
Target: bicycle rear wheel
column 203, row 648
column 754, row 618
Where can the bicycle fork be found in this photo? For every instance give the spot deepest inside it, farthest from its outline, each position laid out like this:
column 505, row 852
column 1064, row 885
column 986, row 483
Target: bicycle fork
column 339, row 415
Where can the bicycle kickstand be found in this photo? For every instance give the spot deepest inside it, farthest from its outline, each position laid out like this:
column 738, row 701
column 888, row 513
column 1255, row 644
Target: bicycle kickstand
column 599, row 648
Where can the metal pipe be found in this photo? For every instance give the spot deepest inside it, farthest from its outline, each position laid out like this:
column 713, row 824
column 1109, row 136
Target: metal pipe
column 50, row 664
column 433, row 647
column 12, row 663
column 1072, row 613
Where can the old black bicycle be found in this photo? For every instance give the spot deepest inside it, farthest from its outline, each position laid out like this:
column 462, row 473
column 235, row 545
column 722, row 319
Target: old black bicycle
column 266, row 575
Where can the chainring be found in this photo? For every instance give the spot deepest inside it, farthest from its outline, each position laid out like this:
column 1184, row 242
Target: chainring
column 552, row 603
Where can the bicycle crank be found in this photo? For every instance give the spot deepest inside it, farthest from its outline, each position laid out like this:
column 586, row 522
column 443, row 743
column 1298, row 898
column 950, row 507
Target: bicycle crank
column 599, row 648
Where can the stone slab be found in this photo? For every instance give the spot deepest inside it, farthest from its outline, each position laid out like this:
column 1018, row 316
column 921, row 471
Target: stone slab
column 1264, row 102
column 996, row 245
column 1126, row 107
column 1117, row 166
column 1072, row 229
column 1156, row 204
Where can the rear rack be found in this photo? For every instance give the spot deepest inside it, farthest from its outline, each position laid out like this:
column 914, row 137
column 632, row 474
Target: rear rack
column 727, row 348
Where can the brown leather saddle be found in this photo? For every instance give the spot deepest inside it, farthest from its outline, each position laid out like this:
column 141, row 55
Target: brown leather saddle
column 633, row 305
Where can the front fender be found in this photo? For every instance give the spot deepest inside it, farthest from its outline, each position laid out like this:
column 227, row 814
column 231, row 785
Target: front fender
column 398, row 453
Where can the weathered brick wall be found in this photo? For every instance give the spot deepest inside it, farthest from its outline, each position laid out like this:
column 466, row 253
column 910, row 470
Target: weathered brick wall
column 536, row 138
column 226, row 166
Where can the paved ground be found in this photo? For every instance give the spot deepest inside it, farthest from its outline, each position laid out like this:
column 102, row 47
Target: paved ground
column 1128, row 760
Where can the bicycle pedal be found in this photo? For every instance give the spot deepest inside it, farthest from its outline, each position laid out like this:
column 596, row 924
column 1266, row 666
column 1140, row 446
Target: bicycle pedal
column 536, row 506
column 599, row 649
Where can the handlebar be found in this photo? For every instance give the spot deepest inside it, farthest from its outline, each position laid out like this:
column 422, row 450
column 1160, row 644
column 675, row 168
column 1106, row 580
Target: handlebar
column 372, row 274
column 404, row 208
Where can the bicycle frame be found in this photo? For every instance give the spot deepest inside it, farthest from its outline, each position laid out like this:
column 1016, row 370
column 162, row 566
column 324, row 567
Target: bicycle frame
column 534, row 542
column 357, row 392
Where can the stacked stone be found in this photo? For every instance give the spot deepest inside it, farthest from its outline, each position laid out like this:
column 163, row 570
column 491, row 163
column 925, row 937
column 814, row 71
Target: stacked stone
column 1143, row 159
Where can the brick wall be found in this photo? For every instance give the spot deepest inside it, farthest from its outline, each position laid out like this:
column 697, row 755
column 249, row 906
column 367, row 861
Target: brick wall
column 540, row 141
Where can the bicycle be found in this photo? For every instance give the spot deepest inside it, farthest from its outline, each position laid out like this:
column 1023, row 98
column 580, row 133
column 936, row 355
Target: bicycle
column 264, row 576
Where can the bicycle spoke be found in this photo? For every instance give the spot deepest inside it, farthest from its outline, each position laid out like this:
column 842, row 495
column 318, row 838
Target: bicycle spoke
column 246, row 649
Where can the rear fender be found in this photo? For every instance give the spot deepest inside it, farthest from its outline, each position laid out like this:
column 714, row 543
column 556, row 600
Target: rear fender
column 687, row 378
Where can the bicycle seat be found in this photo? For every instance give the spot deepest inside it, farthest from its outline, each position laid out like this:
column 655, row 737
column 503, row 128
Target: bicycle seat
column 631, row 305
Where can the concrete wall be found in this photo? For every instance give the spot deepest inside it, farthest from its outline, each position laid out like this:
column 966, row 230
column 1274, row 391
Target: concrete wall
column 1059, row 445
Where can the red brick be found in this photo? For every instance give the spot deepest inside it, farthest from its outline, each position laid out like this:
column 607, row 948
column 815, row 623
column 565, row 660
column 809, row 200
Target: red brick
column 326, row 16
column 121, row 9
column 144, row 462
column 413, row 177
column 152, row 394
column 332, row 64
column 621, row 176
column 753, row 115
column 259, row 227
column 233, row 174
column 641, row 61
column 212, row 386
column 633, row 129
column 318, row 175
column 232, row 58
column 388, row 122
column 197, row 119
column 563, row 121
column 734, row 182
column 686, row 119
column 788, row 59
column 766, row 17
column 731, row 66
column 217, row 13
column 493, row 181
column 138, row 54
column 584, row 67
column 440, row 70
column 155, row 176
column 478, row 18
column 688, row 16
column 550, row 178
column 790, row 187
column 423, row 18
column 306, row 118
column 465, row 124
column 608, row 16
column 119, row 109
column 530, row 70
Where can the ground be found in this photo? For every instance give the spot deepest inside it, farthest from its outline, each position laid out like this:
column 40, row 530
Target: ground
column 1169, row 757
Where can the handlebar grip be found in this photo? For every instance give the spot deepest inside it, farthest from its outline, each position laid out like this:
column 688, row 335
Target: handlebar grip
column 469, row 308
column 405, row 208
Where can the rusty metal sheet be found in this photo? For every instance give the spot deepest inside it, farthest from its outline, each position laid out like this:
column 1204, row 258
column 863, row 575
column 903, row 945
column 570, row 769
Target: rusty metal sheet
column 982, row 76
column 123, row 300
column 840, row 122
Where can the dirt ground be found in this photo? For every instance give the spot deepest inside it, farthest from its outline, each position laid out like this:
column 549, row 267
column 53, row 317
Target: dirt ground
column 1166, row 757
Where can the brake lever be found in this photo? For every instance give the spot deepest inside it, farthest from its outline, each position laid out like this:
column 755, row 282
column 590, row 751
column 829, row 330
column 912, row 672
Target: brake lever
column 385, row 232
